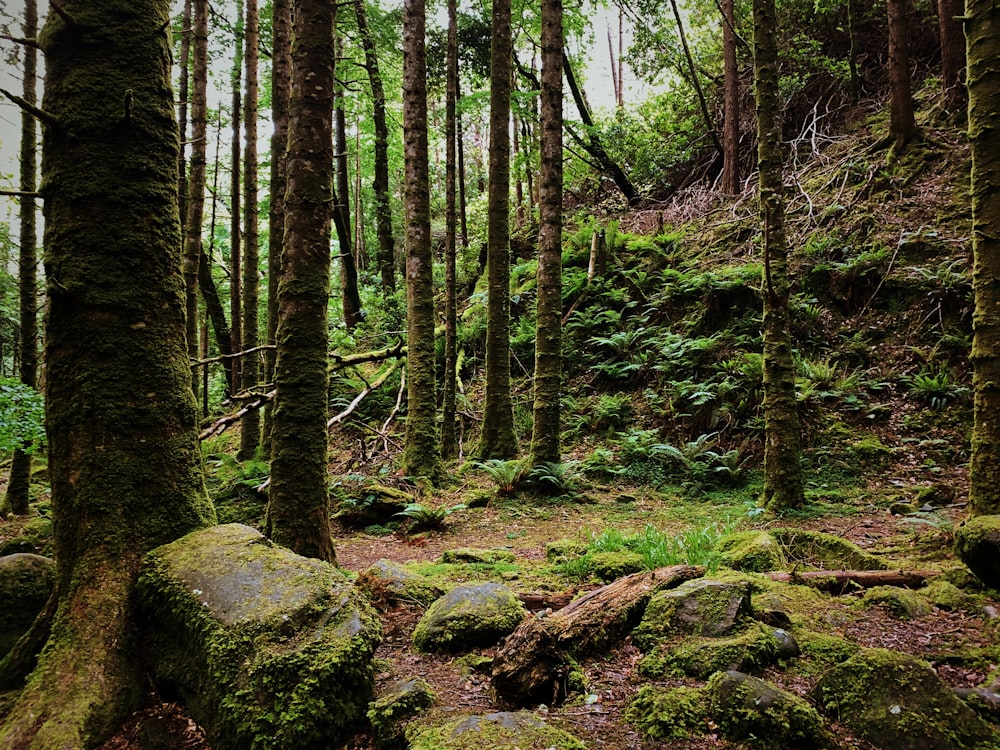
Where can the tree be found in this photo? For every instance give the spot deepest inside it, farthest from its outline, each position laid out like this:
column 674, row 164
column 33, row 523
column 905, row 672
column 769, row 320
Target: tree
column 902, row 125
column 250, row 426
column 298, row 507
column 235, row 226
column 449, row 438
column 422, row 450
column 548, row 335
column 125, row 471
column 952, row 51
column 498, row 439
column 731, row 102
column 350, row 297
column 783, row 486
column 982, row 30
column 16, row 497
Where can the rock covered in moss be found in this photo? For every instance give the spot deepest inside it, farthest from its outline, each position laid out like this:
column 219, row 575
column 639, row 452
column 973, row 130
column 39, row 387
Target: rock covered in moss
column 520, row 730
column 946, row 595
column 748, row 709
column 561, row 550
column 901, row 603
column 475, row 555
column 977, row 544
column 669, row 714
column 610, row 566
column 752, row 551
column 896, row 701
column 469, row 617
column 755, row 647
column 370, row 504
column 699, row 607
column 387, row 580
column 268, row 649
column 825, row 551
column 26, row 580
column 396, row 706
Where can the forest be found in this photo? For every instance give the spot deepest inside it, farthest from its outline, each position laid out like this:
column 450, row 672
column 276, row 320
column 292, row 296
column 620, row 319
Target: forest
column 612, row 375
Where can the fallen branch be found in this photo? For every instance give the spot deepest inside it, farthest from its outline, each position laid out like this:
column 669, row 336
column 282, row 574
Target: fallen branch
column 220, row 425
column 842, row 581
column 361, row 396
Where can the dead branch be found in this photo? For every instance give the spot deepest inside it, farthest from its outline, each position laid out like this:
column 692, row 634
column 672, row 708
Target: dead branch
column 220, row 425
column 364, row 393
column 843, row 581
column 235, row 355
column 384, row 432
column 41, row 115
column 20, row 194
column 26, row 42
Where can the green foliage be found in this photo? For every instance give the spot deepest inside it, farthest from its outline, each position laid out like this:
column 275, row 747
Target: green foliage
column 424, row 517
column 555, row 478
column 935, row 385
column 22, row 417
column 505, row 474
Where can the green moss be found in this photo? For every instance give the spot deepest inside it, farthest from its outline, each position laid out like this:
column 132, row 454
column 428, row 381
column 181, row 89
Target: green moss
column 473, row 555
column 946, row 595
column 610, row 566
column 562, row 549
column 976, row 543
column 399, row 704
column 824, row 551
column 26, row 581
column 701, row 607
column 496, row 731
column 748, row 651
column 752, row 551
column 899, row 602
column 467, row 617
column 825, row 649
column 675, row 714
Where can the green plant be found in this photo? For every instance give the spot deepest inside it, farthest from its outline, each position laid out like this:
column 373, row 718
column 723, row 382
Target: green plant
column 506, row 475
column 935, row 385
column 22, row 417
column 555, row 478
column 424, row 517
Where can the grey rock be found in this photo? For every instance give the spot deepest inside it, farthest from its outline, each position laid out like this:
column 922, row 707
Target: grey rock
column 26, row 581
column 469, row 617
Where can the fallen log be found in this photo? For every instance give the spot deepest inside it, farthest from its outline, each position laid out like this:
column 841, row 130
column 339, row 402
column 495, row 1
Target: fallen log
column 844, row 581
column 533, row 663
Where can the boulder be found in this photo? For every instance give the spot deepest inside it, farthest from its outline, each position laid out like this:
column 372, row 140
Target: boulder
column 469, row 617
column 267, row 649
column 497, row 731
column 977, row 544
column 751, row 650
column 753, row 551
column 669, row 714
column 395, row 707
column 466, row 555
column 387, row 581
column 901, row 603
column 26, row 581
column 699, row 607
column 896, row 701
column 748, row 709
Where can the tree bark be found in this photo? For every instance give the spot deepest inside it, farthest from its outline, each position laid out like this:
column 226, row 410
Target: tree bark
column 350, row 298
column 449, row 437
column 783, row 486
column 216, row 313
column 982, row 29
column 183, row 78
column 16, row 497
column 548, row 316
column 498, row 439
column 902, row 125
column 298, row 509
column 845, row 581
column 125, row 471
column 952, row 52
column 731, row 102
column 250, row 428
column 235, row 227
column 422, row 449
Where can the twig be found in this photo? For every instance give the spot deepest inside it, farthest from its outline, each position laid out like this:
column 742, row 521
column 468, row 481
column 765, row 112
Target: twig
column 220, row 425
column 20, row 194
column 384, row 432
column 21, row 40
column 41, row 115
column 337, row 419
column 236, row 355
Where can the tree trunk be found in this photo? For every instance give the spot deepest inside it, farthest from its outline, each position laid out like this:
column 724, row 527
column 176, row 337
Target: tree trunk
column 235, row 228
column 845, row 581
column 783, row 486
column 463, row 214
column 216, row 313
column 693, row 71
column 183, row 78
column 982, row 29
column 449, row 437
column 250, row 428
column 380, row 183
column 349, row 296
column 281, row 71
column 498, row 439
column 902, row 125
column 548, row 316
column 731, row 102
column 952, row 52
column 196, row 196
column 125, row 472
column 422, row 449
column 16, row 497
column 298, row 511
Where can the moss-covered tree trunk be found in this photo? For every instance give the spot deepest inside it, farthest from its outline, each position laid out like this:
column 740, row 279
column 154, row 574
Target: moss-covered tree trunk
column 281, row 73
column 731, row 102
column 235, row 201
column 422, row 448
column 498, row 439
column 449, row 433
column 548, row 332
column 982, row 30
column 952, row 52
column 902, row 124
column 124, row 460
column 250, row 425
column 16, row 497
column 782, row 469
column 298, row 511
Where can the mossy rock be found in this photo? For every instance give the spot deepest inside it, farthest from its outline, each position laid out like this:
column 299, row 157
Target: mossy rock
column 825, row 649
column 370, row 504
column 824, row 551
column 469, row 617
column 750, row 650
column 464, row 555
column 901, row 603
column 610, row 566
column 752, row 551
column 977, row 544
column 388, row 581
column 753, row 711
column 946, row 595
column 669, row 714
column 564, row 549
column 26, row 581
column 266, row 648
column 396, row 706
column 698, row 607
column 896, row 701
column 520, row 730
column 939, row 495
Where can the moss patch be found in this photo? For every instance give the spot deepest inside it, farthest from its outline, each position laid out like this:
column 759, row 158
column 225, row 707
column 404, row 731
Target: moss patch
column 675, row 714
column 496, row 731
column 467, row 617
column 899, row 602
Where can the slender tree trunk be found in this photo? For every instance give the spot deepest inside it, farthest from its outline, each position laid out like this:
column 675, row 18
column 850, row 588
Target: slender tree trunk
column 783, row 486
column 350, row 297
column 380, row 184
column 182, row 110
column 548, row 336
column 519, row 162
column 422, row 449
column 250, row 425
column 952, row 52
column 463, row 214
column 902, row 125
column 731, row 102
column 196, row 197
column 982, row 30
column 498, row 439
column 16, row 497
column 298, row 511
column 214, row 310
column 235, row 217
column 281, row 72
column 852, row 52
column 693, row 71
column 125, row 472
column 449, row 436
